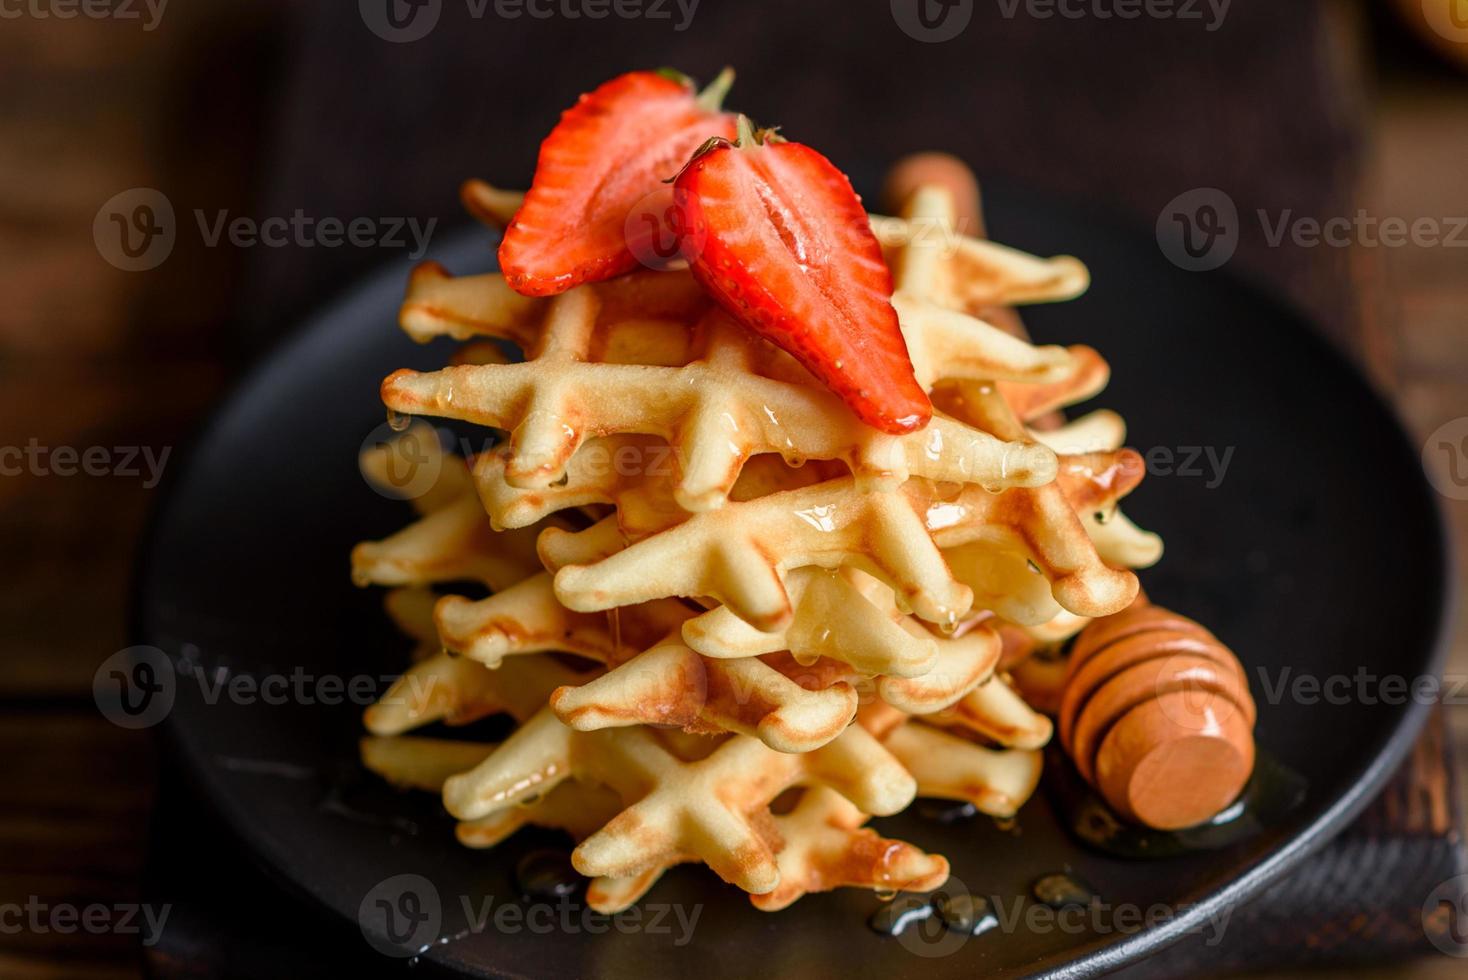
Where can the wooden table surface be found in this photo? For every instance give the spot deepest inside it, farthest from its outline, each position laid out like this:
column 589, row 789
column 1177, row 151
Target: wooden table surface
column 1421, row 298
column 75, row 791
column 1417, row 309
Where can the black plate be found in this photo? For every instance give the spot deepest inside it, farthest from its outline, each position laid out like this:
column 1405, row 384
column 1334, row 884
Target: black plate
column 1320, row 551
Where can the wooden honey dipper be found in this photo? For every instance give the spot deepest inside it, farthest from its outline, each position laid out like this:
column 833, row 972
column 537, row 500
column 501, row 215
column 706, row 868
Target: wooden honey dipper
column 1157, row 716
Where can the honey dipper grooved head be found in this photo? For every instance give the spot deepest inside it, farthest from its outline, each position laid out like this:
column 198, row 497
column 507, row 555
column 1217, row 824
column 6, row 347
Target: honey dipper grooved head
column 1157, row 716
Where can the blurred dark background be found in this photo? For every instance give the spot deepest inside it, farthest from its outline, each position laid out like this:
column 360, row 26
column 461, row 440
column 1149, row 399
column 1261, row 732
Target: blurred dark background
column 261, row 108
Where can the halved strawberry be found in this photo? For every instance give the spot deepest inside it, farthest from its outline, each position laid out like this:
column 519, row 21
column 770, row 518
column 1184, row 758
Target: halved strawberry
column 610, row 150
column 776, row 234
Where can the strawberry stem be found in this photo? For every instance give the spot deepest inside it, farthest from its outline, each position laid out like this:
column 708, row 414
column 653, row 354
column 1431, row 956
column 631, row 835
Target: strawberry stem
column 674, row 75
column 750, row 135
column 711, row 99
column 745, row 139
column 709, row 145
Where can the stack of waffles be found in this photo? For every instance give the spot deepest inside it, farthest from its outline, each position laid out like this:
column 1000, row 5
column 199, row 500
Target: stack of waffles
column 731, row 622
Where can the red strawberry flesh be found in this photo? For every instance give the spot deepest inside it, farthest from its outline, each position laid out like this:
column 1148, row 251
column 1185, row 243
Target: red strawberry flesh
column 608, row 153
column 778, row 237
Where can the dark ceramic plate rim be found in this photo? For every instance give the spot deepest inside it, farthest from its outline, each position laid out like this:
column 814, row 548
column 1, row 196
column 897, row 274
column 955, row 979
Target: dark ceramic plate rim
column 1093, row 958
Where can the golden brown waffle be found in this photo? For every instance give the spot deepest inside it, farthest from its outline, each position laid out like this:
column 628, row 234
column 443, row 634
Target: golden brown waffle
column 789, row 704
column 818, row 844
column 739, row 555
column 793, row 701
column 620, row 792
column 827, row 847
column 646, row 354
column 845, row 615
column 527, row 618
column 951, row 767
column 821, row 842
column 706, row 810
column 721, row 731
column 731, row 555
column 792, row 706
column 1003, row 408
column 994, row 711
column 453, row 539
column 458, row 691
column 646, row 305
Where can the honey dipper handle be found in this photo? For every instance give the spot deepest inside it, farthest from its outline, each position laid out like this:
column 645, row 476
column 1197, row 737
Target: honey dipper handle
column 926, row 169
column 952, row 174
